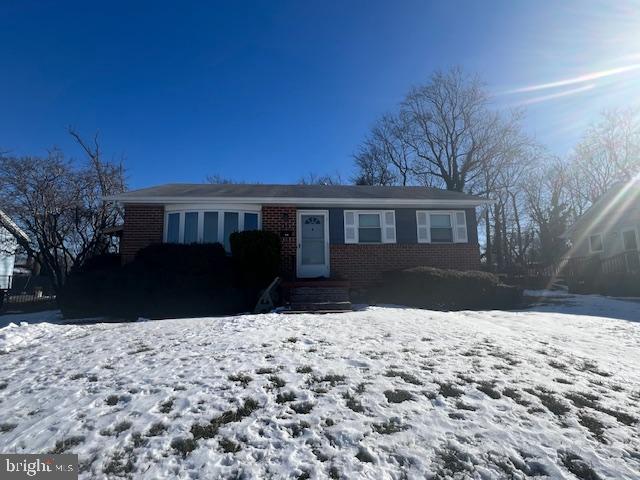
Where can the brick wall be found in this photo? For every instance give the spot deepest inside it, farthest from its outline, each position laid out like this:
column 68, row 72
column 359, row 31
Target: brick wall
column 363, row 264
column 143, row 225
column 281, row 219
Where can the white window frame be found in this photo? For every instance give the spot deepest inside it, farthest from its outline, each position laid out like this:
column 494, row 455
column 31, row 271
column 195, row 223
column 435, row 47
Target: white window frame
column 601, row 235
column 201, row 210
column 387, row 226
column 635, row 231
column 455, row 226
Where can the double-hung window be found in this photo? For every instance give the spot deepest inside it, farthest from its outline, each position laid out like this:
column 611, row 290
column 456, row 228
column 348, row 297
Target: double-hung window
column 596, row 243
column 630, row 239
column 369, row 226
column 435, row 226
column 207, row 226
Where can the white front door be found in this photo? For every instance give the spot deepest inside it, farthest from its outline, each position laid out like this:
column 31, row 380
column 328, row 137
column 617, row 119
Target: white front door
column 313, row 243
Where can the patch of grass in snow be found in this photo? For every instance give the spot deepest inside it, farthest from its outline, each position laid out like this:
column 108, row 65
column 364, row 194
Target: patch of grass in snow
column 564, row 381
column 592, row 367
column 92, row 378
column 121, row 427
column 277, row 381
column 398, row 396
column 332, row 379
column 76, row 376
column 453, row 462
column 166, row 406
column 156, row 429
column 576, row 465
column 7, row 427
column 265, row 370
column 550, row 401
column 589, row 400
column 488, row 388
column 3, row 385
column 583, row 399
column 460, row 405
column 140, row 348
column 209, row 430
column 112, row 400
column 406, row 376
column 304, row 369
column 67, row 443
column 241, row 378
column 365, row 456
column 302, row 407
column 229, row 446
column 137, row 440
column 389, row 427
column 563, row 367
column 449, row 390
column 456, row 416
column 353, row 403
column 120, row 464
column 292, row 339
column 184, row 446
column 285, row 397
column 507, row 357
column 297, row 428
column 595, row 426
column 515, row 395
column 514, row 467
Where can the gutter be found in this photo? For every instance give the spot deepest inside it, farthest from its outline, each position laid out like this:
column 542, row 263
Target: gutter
column 301, row 201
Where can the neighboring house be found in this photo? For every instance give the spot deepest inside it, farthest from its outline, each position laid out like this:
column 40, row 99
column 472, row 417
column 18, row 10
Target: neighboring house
column 346, row 232
column 10, row 234
column 609, row 229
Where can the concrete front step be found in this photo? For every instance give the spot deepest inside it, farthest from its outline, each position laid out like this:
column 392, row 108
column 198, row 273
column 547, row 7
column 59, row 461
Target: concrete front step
column 321, row 307
column 318, row 296
column 314, row 298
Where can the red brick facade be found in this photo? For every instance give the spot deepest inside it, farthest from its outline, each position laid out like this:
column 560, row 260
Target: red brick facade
column 281, row 219
column 363, row 264
column 143, row 226
column 360, row 264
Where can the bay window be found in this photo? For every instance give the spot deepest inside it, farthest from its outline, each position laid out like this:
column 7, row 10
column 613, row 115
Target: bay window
column 190, row 225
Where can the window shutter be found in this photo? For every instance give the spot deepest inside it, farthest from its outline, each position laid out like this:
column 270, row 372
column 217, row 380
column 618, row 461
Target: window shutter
column 389, row 226
column 422, row 219
column 350, row 230
column 461, row 227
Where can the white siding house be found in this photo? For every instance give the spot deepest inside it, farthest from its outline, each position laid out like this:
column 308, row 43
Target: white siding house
column 9, row 235
column 8, row 246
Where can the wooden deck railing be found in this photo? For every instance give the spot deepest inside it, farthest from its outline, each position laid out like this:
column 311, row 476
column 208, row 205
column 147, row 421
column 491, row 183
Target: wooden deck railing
column 626, row 262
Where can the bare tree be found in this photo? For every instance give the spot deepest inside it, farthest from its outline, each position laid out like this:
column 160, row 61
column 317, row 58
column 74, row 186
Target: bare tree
column 546, row 193
column 218, row 179
column 608, row 152
column 59, row 205
column 454, row 134
column 372, row 166
column 327, row 179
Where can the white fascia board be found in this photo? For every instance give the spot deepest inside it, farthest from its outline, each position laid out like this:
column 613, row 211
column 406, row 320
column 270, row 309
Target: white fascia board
column 297, row 201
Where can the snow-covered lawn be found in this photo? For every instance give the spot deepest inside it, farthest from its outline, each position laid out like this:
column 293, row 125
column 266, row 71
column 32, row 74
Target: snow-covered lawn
column 380, row 393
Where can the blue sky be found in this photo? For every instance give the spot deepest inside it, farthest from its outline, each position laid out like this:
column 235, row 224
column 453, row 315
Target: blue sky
column 269, row 91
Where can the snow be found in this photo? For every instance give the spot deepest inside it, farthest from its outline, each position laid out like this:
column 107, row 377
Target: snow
column 480, row 395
